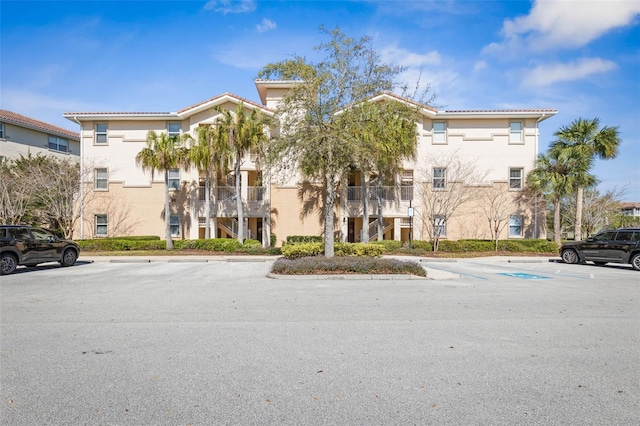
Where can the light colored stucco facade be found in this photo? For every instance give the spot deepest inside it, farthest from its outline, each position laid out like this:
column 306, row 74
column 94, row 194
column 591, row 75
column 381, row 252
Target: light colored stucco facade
column 21, row 135
column 500, row 147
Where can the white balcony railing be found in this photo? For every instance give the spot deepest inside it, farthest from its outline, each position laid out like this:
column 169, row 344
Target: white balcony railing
column 387, row 193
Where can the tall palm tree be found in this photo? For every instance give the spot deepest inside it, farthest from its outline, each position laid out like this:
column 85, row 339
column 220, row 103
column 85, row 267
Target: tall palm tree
column 555, row 174
column 241, row 132
column 162, row 154
column 211, row 155
column 591, row 142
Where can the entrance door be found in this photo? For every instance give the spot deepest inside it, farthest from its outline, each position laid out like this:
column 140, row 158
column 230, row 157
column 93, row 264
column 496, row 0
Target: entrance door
column 351, row 231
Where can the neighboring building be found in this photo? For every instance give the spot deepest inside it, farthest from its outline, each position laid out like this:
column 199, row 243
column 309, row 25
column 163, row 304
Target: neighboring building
column 630, row 209
column 22, row 135
column 502, row 145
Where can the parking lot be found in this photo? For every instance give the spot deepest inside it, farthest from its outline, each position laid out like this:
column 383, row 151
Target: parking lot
column 203, row 341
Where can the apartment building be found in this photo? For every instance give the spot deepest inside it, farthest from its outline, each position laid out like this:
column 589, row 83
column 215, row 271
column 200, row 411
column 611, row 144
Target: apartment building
column 495, row 148
column 21, row 135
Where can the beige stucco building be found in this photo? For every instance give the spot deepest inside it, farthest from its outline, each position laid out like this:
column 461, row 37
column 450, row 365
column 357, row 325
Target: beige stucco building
column 466, row 161
column 21, row 135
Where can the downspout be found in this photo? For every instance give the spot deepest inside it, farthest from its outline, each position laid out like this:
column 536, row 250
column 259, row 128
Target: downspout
column 536, row 234
column 75, row 118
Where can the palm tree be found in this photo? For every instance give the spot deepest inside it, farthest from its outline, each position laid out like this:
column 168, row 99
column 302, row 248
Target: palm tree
column 162, row 153
column 241, row 132
column 384, row 141
column 591, row 142
column 211, row 155
column 556, row 174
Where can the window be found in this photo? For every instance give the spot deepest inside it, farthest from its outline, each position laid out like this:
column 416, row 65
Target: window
column 101, row 133
column 515, row 132
column 627, row 236
column 101, row 180
column 174, row 179
column 1, row 130
column 57, row 144
column 439, row 132
column 406, row 187
column 173, row 129
column 515, row 226
column 605, row 236
column 102, row 228
column 174, row 223
column 515, row 178
column 439, row 178
column 440, row 226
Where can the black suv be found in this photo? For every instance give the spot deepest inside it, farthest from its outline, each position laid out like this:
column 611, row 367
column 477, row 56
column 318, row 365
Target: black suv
column 617, row 246
column 24, row 245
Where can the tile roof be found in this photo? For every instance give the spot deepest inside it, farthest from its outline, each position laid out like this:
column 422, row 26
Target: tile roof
column 23, row 120
column 502, row 110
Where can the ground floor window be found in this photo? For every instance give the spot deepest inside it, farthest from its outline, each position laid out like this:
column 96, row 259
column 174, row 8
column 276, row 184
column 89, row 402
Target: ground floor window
column 515, row 226
column 174, row 223
column 102, row 225
column 440, row 226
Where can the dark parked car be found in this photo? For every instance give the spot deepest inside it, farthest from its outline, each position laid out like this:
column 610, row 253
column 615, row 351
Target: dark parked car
column 617, row 246
column 24, row 245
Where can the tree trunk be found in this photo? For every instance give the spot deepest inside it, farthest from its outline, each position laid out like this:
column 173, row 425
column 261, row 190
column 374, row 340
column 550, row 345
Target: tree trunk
column 365, row 208
column 577, row 230
column 207, row 204
column 329, row 202
column 167, row 213
column 239, row 200
column 380, row 218
column 557, row 232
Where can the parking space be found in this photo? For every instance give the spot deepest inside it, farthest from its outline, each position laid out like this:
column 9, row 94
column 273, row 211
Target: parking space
column 216, row 342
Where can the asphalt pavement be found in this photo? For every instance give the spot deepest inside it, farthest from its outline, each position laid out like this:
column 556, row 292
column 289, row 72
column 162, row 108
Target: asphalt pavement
column 200, row 341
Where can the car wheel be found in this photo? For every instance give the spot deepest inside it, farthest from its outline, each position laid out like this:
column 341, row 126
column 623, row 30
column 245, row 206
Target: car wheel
column 635, row 261
column 69, row 257
column 570, row 256
column 599, row 263
column 8, row 263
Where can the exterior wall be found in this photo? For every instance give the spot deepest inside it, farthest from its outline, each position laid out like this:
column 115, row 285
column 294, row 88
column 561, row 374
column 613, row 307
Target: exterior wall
column 23, row 141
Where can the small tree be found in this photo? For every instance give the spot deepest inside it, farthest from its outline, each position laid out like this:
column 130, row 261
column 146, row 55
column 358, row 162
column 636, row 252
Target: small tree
column 317, row 117
column 162, row 153
column 450, row 182
column 209, row 154
column 497, row 205
column 589, row 142
column 240, row 131
column 554, row 176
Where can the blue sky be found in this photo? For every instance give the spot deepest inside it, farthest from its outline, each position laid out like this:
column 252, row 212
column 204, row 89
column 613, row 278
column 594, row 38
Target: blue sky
column 579, row 57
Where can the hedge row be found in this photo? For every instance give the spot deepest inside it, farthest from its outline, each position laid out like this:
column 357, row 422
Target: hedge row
column 228, row 245
column 294, row 251
column 341, row 265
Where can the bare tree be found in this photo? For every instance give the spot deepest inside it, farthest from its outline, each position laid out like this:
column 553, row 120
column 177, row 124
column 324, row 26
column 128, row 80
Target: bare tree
column 449, row 182
column 16, row 194
column 497, row 205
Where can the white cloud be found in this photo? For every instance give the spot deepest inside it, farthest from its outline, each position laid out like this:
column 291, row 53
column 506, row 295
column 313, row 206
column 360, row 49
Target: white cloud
column 479, row 66
column 266, row 25
column 405, row 58
column 564, row 24
column 231, row 6
column 548, row 74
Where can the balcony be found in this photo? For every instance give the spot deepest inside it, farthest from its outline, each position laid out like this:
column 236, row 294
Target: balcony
column 387, row 193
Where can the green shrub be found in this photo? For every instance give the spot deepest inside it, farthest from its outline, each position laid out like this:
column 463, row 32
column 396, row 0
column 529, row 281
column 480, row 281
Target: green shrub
column 358, row 249
column 228, row 245
column 422, row 245
column 272, row 240
column 389, row 245
column 297, row 239
column 345, row 265
column 112, row 244
column 294, row 251
column 251, row 243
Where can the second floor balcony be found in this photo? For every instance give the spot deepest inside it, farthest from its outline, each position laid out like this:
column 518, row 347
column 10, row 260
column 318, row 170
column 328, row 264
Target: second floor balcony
column 384, row 193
